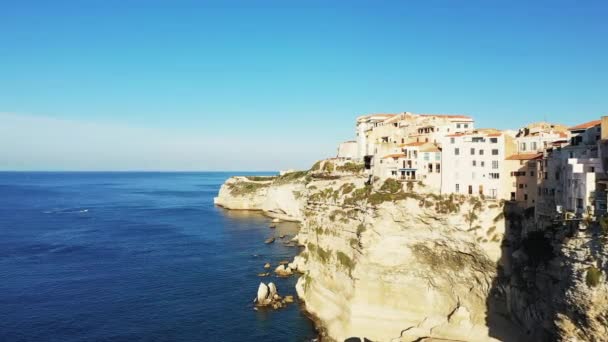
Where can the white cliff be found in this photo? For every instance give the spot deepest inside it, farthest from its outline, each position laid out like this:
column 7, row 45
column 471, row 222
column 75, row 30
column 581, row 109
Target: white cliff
column 391, row 262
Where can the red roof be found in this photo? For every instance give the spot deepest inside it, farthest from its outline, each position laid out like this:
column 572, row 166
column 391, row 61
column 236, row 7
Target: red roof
column 524, row 156
column 585, row 125
column 398, row 155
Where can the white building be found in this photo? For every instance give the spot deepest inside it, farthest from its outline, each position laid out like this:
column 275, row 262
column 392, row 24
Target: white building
column 476, row 163
column 348, row 150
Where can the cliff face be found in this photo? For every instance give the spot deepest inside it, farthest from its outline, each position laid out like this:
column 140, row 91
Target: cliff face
column 554, row 283
column 388, row 261
column 419, row 267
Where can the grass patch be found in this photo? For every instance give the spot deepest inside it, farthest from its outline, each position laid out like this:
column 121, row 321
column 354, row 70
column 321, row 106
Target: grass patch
column 345, row 261
column 261, row 178
column 328, row 167
column 290, row 177
column 245, row 188
column 350, row 167
column 593, row 276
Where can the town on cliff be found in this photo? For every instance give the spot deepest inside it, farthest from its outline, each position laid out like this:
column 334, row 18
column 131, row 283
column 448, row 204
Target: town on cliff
column 427, row 228
column 551, row 167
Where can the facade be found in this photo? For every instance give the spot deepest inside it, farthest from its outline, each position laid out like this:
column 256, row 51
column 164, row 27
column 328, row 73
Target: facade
column 539, row 136
column 348, row 150
column 522, row 170
column 544, row 166
column 477, row 163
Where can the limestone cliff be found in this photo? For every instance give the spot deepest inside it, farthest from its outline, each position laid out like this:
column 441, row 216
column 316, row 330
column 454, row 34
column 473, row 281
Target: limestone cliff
column 388, row 261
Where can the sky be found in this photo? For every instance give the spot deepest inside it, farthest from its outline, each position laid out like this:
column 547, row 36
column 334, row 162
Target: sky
column 269, row 85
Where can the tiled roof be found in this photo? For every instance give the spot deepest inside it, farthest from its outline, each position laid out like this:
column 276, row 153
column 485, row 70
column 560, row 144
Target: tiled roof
column 430, row 148
column 397, row 155
column 585, row 125
column 417, row 143
column 524, row 156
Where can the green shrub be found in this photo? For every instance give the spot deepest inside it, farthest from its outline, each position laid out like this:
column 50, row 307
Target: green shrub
column 244, row 188
column 290, row 177
column 261, row 178
column 350, row 167
column 499, row 217
column 593, row 276
column 604, row 224
column 328, row 167
column 391, row 186
column 316, row 166
column 345, row 261
column 347, row 188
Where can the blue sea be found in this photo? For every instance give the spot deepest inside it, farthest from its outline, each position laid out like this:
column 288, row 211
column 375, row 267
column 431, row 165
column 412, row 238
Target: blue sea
column 136, row 257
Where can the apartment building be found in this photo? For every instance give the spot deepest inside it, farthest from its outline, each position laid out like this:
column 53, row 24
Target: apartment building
column 476, row 161
column 522, row 171
column 537, row 137
column 571, row 176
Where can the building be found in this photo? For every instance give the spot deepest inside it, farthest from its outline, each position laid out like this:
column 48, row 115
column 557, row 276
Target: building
column 522, row 170
column 416, row 161
column 348, row 150
column 539, row 136
column 476, row 161
column 571, row 176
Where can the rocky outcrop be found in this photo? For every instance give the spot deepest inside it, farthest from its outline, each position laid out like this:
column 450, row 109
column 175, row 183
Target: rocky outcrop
column 277, row 197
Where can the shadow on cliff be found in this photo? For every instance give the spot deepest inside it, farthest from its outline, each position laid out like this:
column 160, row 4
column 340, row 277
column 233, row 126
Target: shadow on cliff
column 518, row 304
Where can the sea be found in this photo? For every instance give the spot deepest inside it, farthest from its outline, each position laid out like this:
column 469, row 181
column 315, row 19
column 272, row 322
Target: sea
column 127, row 256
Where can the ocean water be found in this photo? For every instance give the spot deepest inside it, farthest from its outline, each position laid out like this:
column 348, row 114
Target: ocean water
column 135, row 257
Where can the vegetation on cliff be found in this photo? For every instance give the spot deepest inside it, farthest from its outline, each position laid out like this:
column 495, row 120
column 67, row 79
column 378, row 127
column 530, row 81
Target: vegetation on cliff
column 245, row 188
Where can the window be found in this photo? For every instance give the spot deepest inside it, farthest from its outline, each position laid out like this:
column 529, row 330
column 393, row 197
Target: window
column 523, row 146
column 495, row 164
column 437, row 156
column 474, row 163
column 494, row 175
column 430, row 167
column 472, row 151
column 525, row 197
column 452, row 140
column 494, row 140
column 493, row 193
column 495, row 152
column 457, row 187
column 481, row 152
column 466, row 125
column 426, row 156
column 457, row 125
column 534, row 146
column 438, row 168
column 457, row 151
column 531, row 173
column 521, row 186
column 483, row 163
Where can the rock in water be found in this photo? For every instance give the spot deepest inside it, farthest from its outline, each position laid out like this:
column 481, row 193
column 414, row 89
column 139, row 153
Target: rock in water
column 263, row 293
column 267, row 265
column 276, row 220
column 272, row 289
column 283, row 271
column 288, row 299
column 269, row 240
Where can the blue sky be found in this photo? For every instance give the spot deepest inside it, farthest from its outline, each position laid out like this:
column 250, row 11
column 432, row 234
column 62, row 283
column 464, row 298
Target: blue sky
column 261, row 85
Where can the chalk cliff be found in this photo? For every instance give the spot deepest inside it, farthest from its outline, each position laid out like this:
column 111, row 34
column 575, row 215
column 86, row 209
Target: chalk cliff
column 390, row 261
